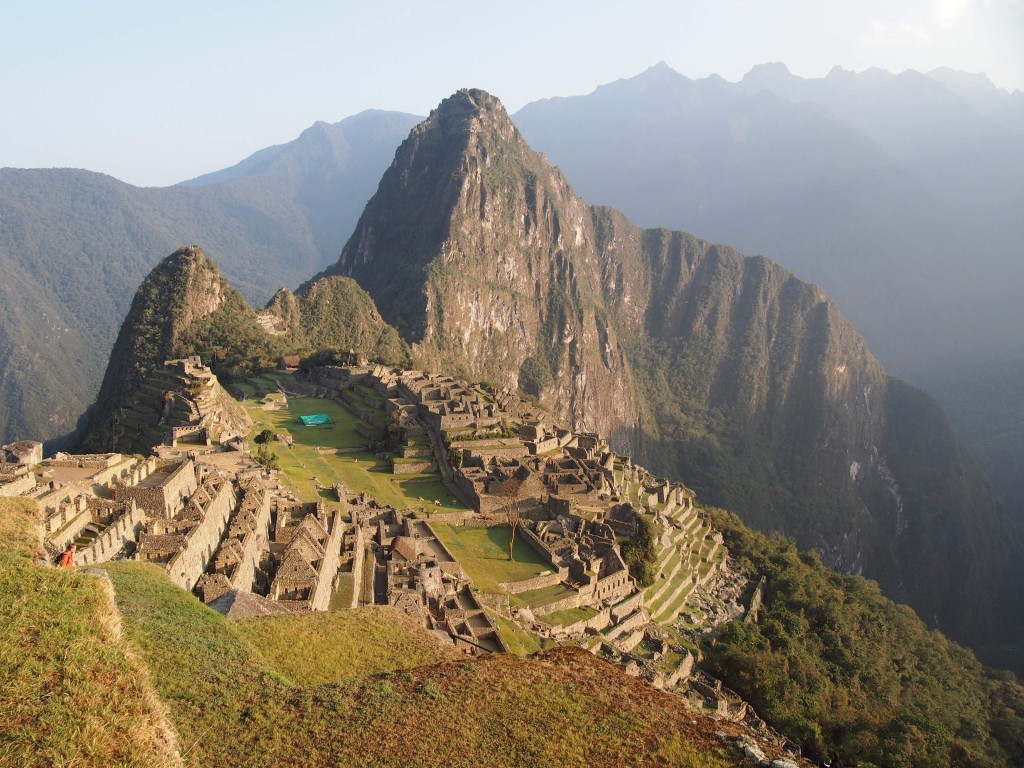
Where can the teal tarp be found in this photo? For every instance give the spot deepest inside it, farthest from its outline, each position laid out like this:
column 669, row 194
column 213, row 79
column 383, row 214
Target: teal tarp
column 315, row 419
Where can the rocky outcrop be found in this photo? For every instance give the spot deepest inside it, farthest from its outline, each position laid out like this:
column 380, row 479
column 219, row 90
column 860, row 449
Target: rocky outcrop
column 181, row 291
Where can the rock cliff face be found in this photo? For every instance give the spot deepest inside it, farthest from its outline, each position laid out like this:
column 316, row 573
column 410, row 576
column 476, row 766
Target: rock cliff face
column 181, row 291
column 725, row 371
column 485, row 260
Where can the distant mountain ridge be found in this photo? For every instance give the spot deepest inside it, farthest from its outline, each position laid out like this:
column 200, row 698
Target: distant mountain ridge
column 723, row 370
column 73, row 244
column 878, row 187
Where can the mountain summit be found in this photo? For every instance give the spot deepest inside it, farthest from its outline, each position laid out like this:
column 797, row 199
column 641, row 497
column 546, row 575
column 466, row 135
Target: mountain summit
column 724, row 370
column 482, row 256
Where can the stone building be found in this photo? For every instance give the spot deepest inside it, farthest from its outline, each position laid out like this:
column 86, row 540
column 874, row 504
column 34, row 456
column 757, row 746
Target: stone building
column 426, row 582
column 306, row 550
column 164, row 491
column 27, row 452
column 184, row 541
column 236, row 564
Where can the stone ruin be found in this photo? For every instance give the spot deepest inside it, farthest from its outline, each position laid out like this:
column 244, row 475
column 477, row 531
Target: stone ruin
column 426, row 582
column 180, row 403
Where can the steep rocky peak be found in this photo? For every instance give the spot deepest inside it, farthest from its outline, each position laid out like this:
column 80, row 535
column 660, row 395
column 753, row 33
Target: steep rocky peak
column 197, row 288
column 466, row 112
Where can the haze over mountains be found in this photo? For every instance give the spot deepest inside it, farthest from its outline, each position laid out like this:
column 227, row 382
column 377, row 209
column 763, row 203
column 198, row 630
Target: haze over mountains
column 898, row 194
column 895, row 193
column 704, row 364
column 74, row 246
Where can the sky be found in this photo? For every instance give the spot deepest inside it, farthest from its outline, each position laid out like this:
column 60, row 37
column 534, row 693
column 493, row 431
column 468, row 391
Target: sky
column 156, row 93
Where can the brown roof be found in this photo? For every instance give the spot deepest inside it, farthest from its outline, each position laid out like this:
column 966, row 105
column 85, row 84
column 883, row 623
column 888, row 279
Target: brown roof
column 407, row 547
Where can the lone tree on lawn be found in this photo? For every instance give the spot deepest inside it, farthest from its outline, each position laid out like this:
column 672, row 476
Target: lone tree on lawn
column 510, row 502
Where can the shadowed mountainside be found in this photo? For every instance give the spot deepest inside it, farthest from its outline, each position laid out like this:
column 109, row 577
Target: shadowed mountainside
column 723, row 370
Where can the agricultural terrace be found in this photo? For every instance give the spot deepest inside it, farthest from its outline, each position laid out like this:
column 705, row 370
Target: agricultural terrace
column 355, row 467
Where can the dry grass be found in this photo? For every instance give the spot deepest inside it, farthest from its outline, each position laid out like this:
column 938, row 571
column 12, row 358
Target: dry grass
column 20, row 528
column 315, row 648
column 232, row 707
column 71, row 693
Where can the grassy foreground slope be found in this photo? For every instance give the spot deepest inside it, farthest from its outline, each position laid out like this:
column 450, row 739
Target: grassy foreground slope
column 71, row 691
column 314, row 648
column 232, row 708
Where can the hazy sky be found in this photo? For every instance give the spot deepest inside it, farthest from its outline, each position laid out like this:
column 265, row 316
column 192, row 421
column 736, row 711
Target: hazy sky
column 155, row 93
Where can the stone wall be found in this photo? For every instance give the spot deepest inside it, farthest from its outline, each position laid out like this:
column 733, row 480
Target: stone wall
column 633, row 621
column 756, row 600
column 613, row 586
column 452, row 518
column 430, row 532
column 594, row 623
column 537, row 544
column 565, row 604
column 291, row 386
column 486, row 522
column 188, row 565
column 166, row 497
column 625, row 607
column 358, row 555
column 537, row 582
column 61, row 508
column 320, row 597
column 113, row 538
column 18, row 485
column 413, row 467
column 682, row 672
column 252, row 546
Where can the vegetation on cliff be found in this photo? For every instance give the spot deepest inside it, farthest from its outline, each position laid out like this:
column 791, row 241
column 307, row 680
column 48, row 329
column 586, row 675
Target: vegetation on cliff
column 185, row 307
column 837, row 666
column 722, row 370
column 336, row 314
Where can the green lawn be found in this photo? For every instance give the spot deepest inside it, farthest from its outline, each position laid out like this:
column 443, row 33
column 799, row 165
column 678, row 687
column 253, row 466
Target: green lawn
column 518, row 640
column 340, row 434
column 570, row 616
column 483, row 554
column 538, row 598
column 360, row 472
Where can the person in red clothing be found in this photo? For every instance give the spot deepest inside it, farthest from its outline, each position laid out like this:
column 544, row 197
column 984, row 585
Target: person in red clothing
column 67, row 558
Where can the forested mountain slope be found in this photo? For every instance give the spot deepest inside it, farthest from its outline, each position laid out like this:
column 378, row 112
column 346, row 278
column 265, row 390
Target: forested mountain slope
column 723, row 370
column 75, row 244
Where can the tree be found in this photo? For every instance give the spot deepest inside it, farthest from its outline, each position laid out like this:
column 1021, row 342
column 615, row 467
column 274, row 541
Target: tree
column 263, row 437
column 510, row 497
column 267, row 457
column 395, row 434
